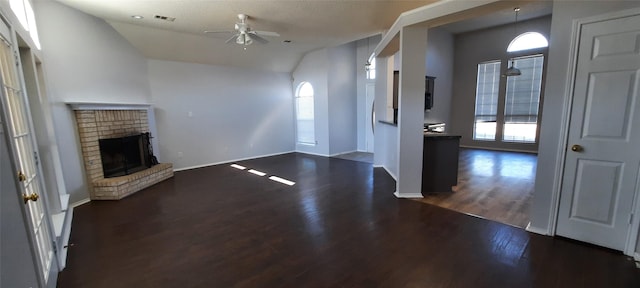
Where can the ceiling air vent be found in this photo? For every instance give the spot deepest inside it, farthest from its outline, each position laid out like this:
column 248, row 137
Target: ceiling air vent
column 165, row 18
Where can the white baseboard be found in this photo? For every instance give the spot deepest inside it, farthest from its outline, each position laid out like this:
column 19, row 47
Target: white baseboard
column 342, row 153
column 388, row 172
column 62, row 260
column 408, row 195
column 81, row 202
column 636, row 256
column 536, row 230
column 312, row 153
column 229, row 161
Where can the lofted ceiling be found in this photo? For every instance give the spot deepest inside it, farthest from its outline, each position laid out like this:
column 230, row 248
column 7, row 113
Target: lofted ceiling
column 308, row 24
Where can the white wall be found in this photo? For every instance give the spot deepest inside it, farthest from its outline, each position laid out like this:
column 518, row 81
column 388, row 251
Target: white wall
column 313, row 69
column 471, row 49
column 440, row 47
column 549, row 157
column 85, row 60
column 214, row 114
column 343, row 114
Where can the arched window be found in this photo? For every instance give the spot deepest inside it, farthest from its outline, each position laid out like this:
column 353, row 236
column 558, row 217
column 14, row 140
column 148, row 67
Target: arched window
column 526, row 41
column 371, row 67
column 304, row 114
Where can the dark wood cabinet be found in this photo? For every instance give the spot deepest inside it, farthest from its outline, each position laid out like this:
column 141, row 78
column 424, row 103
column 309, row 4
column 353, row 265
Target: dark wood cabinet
column 440, row 162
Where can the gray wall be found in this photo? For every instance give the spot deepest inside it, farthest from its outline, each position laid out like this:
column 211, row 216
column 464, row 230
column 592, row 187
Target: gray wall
column 386, row 136
column 471, row 49
column 215, row 114
column 85, row 60
column 549, row 157
column 313, row 69
column 439, row 63
column 332, row 73
column 342, row 99
column 440, row 47
column 364, row 50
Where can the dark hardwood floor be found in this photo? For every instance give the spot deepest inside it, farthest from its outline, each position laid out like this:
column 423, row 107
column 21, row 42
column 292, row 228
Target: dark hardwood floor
column 495, row 185
column 338, row 226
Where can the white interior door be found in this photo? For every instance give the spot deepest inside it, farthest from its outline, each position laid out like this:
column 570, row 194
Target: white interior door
column 370, row 118
column 13, row 100
column 602, row 161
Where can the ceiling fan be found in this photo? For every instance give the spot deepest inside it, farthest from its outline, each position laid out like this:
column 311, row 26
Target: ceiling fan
column 244, row 35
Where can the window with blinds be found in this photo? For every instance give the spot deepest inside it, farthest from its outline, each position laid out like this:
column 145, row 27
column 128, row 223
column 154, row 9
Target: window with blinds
column 522, row 100
column 486, row 110
column 305, row 123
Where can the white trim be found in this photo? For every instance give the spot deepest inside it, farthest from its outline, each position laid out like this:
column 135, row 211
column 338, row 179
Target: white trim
column 229, row 161
column 78, row 203
column 499, row 149
column 342, row 153
column 427, row 13
column 312, row 153
column 66, row 233
column 390, row 173
column 564, row 130
column 408, row 195
column 636, row 256
column 107, row 106
column 536, row 230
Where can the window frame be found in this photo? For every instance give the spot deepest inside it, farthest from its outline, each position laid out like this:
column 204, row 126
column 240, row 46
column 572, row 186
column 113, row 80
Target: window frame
column 298, row 97
column 496, row 86
column 539, row 100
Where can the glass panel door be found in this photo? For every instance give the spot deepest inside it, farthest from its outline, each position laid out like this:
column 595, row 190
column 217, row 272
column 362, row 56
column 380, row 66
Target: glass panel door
column 19, row 129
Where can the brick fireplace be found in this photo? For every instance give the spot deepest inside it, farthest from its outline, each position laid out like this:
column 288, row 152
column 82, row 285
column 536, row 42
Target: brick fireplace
column 96, row 122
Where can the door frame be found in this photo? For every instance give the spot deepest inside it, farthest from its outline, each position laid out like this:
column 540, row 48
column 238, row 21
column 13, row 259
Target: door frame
column 634, row 227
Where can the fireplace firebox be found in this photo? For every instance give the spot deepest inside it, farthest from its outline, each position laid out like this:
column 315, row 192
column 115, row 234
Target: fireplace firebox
column 125, row 155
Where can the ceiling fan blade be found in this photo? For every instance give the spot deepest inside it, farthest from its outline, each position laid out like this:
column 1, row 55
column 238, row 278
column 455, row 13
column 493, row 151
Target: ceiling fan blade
column 257, row 38
column 267, row 33
column 216, row 32
column 232, row 39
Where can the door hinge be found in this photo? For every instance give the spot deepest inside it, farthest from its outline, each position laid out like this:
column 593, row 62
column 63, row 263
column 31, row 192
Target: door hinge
column 630, row 218
column 35, row 157
column 55, row 247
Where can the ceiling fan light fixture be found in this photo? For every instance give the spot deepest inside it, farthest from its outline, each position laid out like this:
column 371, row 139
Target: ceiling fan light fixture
column 244, row 39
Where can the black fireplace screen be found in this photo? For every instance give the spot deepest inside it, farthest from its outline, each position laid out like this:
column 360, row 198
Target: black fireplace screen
column 125, row 155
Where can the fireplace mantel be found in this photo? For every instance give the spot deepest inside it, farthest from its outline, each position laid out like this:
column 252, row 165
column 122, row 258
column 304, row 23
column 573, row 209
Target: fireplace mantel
column 108, row 106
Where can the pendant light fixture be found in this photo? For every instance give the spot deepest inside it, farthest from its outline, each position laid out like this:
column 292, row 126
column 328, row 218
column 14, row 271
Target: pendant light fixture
column 512, row 70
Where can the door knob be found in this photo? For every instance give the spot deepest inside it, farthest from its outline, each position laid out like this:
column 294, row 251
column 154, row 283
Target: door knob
column 21, row 177
column 577, row 148
column 33, row 197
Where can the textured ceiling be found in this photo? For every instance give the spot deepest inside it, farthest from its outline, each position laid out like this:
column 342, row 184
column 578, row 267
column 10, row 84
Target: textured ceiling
column 308, row 24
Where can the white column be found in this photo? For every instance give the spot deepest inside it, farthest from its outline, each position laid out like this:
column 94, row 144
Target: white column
column 413, row 47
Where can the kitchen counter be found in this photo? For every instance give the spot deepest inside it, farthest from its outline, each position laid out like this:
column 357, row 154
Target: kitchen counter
column 440, row 136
